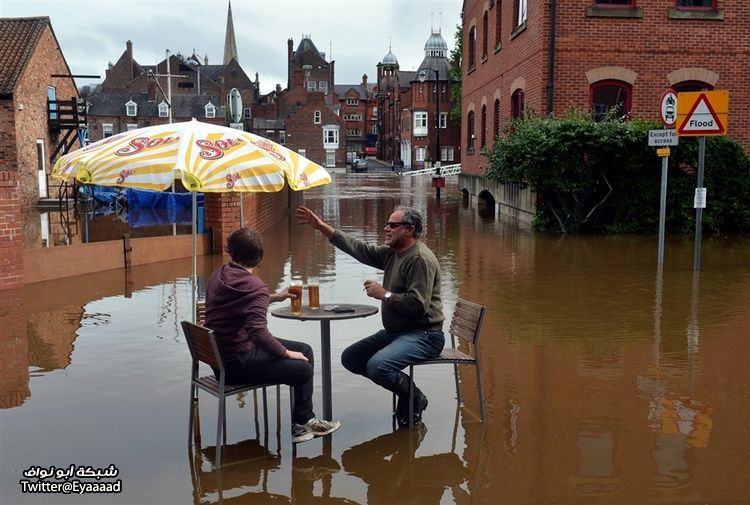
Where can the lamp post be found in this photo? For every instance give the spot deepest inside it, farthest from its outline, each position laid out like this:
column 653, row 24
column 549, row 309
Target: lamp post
column 437, row 181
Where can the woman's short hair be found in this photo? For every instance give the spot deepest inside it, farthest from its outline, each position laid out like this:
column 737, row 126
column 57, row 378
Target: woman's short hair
column 245, row 247
column 413, row 218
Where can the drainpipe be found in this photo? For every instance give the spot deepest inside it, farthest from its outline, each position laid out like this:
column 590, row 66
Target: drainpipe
column 551, row 63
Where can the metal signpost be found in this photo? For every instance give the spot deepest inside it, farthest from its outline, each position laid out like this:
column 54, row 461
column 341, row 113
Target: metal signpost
column 701, row 114
column 662, row 139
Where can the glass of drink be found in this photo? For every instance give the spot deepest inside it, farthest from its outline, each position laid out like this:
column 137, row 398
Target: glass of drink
column 313, row 292
column 295, row 288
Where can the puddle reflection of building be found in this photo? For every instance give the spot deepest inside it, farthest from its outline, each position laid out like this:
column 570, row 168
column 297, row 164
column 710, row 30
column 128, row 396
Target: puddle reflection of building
column 394, row 474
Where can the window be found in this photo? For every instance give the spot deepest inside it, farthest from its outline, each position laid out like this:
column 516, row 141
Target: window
column 331, row 137
column 498, row 23
column 420, row 123
column 614, row 3
column 52, row 101
column 419, row 153
column 470, row 132
column 107, row 130
column 246, row 113
column 316, row 117
column 311, row 85
column 163, row 109
column 483, row 130
column 184, row 84
column 443, row 123
column 301, row 152
column 353, row 132
column 131, row 108
column 323, row 86
column 132, row 126
column 352, row 101
column 446, row 153
column 516, row 103
column 609, row 97
column 282, row 137
column 496, row 126
column 685, row 86
column 520, row 13
column 485, row 31
column 471, row 48
column 696, row 4
column 352, row 117
column 210, row 110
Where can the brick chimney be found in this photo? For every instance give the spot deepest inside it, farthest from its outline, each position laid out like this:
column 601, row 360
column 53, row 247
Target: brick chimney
column 364, row 81
column 129, row 50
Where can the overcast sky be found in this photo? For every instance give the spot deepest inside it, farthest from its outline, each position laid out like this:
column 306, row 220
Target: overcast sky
column 356, row 33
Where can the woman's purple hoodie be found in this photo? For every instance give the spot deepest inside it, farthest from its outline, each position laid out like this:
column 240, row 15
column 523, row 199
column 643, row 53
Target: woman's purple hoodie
column 236, row 310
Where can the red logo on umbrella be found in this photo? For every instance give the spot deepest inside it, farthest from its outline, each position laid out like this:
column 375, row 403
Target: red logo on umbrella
column 124, row 174
column 214, row 149
column 140, row 144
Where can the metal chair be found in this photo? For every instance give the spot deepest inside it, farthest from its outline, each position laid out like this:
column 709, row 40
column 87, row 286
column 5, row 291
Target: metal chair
column 466, row 324
column 203, row 349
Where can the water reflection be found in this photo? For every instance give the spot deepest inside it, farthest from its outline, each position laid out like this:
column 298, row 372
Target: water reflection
column 605, row 380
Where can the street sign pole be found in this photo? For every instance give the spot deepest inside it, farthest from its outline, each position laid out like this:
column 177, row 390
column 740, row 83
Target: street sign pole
column 699, row 190
column 662, row 207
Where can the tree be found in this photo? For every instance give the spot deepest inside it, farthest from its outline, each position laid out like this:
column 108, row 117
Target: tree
column 455, row 74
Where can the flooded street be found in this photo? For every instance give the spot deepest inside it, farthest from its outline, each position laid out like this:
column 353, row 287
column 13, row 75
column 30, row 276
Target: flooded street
column 604, row 381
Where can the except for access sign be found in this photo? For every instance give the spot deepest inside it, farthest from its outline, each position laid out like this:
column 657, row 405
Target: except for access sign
column 661, row 138
column 702, row 113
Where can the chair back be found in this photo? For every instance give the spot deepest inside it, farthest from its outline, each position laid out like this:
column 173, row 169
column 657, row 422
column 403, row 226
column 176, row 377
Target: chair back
column 202, row 345
column 200, row 312
column 467, row 321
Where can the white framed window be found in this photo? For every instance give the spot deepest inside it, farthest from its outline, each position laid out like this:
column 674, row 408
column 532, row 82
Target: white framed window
column 323, row 86
column 246, row 113
column 131, row 109
column 301, row 152
column 443, row 120
column 352, row 101
column 163, row 109
column 282, row 137
column 132, row 126
column 420, row 123
column 446, row 153
column 107, row 130
column 316, row 117
column 311, row 85
column 330, row 158
column 210, row 110
column 331, row 137
column 352, row 117
column 374, row 112
column 419, row 153
column 521, row 6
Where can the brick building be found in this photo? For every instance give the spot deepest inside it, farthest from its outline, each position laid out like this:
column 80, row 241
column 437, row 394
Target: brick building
column 35, row 82
column 359, row 110
column 410, row 125
column 549, row 57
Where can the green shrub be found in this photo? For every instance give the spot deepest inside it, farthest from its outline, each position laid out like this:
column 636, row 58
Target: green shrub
column 603, row 177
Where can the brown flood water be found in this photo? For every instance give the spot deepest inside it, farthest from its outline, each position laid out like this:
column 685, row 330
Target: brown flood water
column 603, row 382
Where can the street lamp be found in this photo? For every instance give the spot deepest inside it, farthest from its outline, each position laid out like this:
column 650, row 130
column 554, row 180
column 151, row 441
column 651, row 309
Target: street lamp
column 437, row 180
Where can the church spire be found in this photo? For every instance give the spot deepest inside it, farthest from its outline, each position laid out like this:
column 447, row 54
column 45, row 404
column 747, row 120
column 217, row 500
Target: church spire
column 230, row 44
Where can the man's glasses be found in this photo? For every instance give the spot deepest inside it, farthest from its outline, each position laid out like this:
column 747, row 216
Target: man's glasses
column 391, row 224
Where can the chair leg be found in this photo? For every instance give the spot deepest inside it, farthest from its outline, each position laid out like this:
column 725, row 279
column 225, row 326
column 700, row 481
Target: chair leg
column 481, row 393
column 193, row 404
column 458, row 388
column 411, row 395
column 219, row 425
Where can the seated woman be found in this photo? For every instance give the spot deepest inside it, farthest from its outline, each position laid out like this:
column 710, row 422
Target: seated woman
column 236, row 310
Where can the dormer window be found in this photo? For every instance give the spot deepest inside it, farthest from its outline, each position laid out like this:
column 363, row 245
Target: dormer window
column 210, row 110
column 163, row 109
column 131, row 109
column 316, row 117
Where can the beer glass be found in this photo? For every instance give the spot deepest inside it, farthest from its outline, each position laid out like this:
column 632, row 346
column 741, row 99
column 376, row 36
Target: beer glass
column 295, row 287
column 313, row 292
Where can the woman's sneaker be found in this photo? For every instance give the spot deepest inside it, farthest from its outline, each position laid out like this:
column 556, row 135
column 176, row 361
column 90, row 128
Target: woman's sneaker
column 313, row 428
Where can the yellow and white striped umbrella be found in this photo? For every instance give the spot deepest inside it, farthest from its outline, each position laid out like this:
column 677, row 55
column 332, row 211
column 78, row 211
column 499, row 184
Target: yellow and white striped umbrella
column 208, row 158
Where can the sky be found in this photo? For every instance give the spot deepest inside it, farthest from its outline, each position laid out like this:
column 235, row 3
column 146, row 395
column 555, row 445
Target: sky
column 356, row 34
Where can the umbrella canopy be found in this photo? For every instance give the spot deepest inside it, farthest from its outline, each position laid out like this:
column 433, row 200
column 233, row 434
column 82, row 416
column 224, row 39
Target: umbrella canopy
column 208, row 158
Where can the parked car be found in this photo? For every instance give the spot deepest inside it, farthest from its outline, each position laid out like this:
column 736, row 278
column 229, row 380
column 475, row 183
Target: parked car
column 359, row 165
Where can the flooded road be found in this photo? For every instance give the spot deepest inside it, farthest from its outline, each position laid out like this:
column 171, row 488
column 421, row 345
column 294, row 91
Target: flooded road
column 604, row 381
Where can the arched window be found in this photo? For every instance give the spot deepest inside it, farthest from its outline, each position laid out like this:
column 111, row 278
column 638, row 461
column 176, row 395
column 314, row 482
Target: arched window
column 471, row 48
column 496, row 126
column 517, row 103
column 609, row 96
column 470, row 132
column 498, row 22
column 485, row 31
column 483, row 131
column 316, row 118
column 685, row 86
column 210, row 110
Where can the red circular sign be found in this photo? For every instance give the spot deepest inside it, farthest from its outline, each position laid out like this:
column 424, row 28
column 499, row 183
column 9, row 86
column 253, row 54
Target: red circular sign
column 668, row 109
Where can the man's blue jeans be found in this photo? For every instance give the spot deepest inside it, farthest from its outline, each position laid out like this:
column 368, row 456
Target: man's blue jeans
column 381, row 356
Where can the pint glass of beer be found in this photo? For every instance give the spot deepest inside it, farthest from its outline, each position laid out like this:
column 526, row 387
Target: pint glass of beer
column 313, row 292
column 295, row 288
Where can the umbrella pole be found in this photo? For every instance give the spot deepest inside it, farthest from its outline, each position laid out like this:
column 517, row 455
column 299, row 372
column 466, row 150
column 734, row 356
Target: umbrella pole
column 193, row 277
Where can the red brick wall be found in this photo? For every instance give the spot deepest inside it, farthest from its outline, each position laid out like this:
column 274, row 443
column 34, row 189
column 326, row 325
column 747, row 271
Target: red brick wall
column 14, row 350
column 30, row 100
column 303, row 133
column 11, row 239
column 651, row 46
